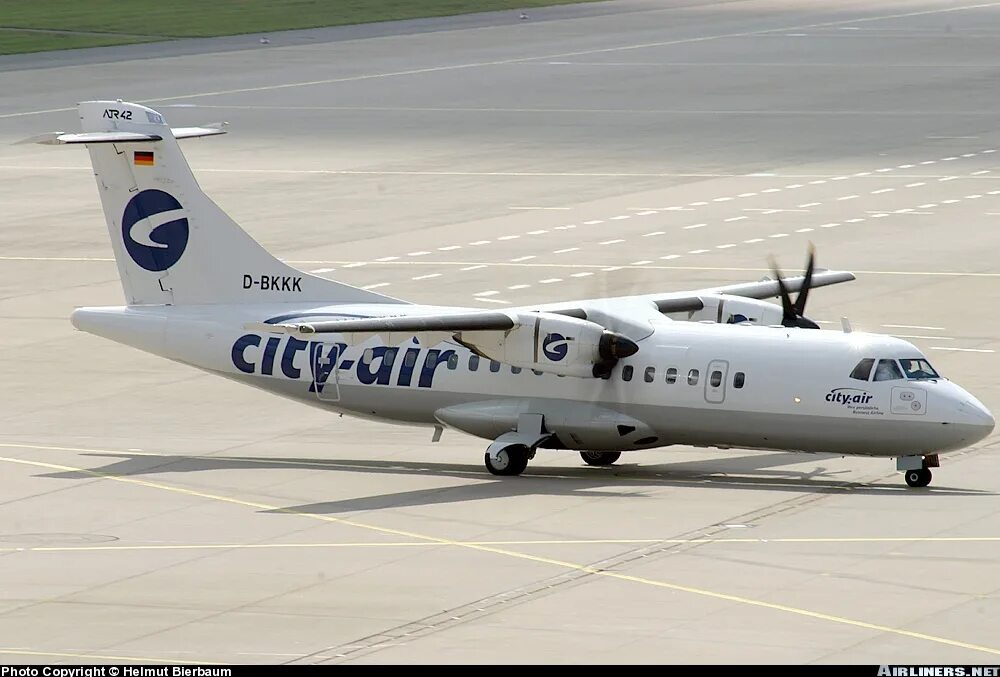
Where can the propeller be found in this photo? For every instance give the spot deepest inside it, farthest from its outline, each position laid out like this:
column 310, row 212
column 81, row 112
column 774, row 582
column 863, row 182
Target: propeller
column 793, row 314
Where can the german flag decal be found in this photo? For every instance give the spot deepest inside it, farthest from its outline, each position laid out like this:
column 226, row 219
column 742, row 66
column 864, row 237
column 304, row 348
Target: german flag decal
column 144, row 157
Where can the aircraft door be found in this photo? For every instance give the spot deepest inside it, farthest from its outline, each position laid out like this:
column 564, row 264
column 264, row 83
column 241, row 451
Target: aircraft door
column 323, row 367
column 715, row 381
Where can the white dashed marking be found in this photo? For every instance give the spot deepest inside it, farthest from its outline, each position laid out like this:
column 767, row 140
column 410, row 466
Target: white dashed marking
column 734, row 218
column 948, row 159
column 927, row 206
column 804, row 230
column 357, row 264
column 793, row 185
column 973, row 197
column 322, row 270
column 746, row 194
column 449, row 248
column 947, row 178
column 884, row 169
column 853, row 220
column 611, row 242
column 724, row 246
column 948, row 202
column 479, row 242
column 928, row 162
column 376, row 285
column 537, row 232
column 862, row 174
column 670, row 257
column 777, row 235
column 722, row 199
column 912, row 326
column 981, row 172
column 829, row 225
column 492, row 292
column 523, row 258
column 698, row 204
column 968, row 154
column 697, row 251
column 771, row 190
column 567, row 249
column 388, row 258
column 581, row 274
column 838, row 178
column 696, row 225
column 809, row 204
column 879, row 216
column 428, row 276
column 654, row 233
column 904, row 166
column 593, row 223
column 882, row 190
column 476, row 267
column 817, row 182
column 420, row 253
column 620, row 217
column 508, row 237
column 753, row 240
column 518, row 286
column 918, row 183
column 847, row 197
column 640, row 263
column 647, row 212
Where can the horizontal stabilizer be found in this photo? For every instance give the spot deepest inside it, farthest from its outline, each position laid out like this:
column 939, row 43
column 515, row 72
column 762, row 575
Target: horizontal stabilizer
column 60, row 138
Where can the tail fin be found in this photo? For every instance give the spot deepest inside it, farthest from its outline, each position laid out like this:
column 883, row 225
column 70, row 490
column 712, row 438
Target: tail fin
column 173, row 245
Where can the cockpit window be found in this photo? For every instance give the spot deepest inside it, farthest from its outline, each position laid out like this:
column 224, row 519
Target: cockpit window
column 918, row 368
column 863, row 369
column 887, row 370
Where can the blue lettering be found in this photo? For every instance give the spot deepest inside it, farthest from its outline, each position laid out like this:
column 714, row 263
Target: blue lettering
column 267, row 365
column 288, row 367
column 386, row 357
column 242, row 343
column 406, row 370
column 431, row 362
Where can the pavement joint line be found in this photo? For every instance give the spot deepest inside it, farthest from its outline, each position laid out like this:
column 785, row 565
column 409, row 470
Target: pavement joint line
column 572, row 566
column 134, row 659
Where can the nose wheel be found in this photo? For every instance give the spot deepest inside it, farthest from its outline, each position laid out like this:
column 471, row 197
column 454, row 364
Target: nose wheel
column 918, row 478
column 917, row 469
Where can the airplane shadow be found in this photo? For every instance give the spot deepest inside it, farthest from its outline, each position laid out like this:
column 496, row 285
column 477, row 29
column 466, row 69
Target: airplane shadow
column 762, row 471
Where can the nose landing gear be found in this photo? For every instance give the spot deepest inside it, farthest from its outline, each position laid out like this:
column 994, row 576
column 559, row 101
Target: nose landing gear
column 917, row 469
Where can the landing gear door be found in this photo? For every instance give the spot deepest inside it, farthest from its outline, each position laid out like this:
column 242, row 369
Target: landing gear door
column 715, row 381
column 323, row 368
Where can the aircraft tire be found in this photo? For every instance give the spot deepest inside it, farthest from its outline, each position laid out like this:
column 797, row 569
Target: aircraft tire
column 511, row 460
column 600, row 458
column 918, row 478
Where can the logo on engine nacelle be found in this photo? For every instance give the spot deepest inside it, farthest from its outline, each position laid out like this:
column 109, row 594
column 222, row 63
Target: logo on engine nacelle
column 556, row 346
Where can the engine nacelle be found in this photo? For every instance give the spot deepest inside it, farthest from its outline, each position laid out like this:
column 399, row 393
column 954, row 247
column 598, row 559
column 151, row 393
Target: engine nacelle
column 551, row 343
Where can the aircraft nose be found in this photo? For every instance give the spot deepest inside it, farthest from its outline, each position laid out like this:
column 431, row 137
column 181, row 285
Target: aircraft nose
column 973, row 413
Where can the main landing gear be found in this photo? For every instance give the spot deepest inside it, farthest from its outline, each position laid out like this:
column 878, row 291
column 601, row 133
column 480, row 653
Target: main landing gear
column 917, row 469
column 600, row 457
column 509, row 460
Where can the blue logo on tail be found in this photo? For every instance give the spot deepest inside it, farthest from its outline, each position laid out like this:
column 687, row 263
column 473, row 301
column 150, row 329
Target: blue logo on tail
column 154, row 232
column 555, row 346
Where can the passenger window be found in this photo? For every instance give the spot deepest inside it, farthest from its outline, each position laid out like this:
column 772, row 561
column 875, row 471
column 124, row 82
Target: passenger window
column 494, row 366
column 473, row 362
column 650, row 374
column 671, row 375
column 716, row 379
column 739, row 379
column 863, row 369
column 453, row 361
column 887, row 370
column 627, row 372
column 410, row 359
column 693, row 377
column 368, row 356
column 515, row 370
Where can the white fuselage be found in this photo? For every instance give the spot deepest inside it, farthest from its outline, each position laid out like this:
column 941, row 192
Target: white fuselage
column 689, row 383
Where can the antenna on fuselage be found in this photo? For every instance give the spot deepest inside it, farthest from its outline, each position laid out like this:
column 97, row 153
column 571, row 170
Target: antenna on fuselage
column 845, row 324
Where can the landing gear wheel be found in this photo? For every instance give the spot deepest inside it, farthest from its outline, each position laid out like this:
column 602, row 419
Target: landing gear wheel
column 918, row 478
column 511, row 460
column 600, row 457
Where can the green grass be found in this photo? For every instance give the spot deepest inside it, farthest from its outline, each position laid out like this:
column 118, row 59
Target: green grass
column 127, row 21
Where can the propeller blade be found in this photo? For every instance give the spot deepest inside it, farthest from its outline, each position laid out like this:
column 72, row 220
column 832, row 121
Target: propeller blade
column 800, row 301
column 788, row 315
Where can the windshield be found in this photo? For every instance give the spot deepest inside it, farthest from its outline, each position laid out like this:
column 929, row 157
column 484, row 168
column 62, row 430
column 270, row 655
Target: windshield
column 918, row 368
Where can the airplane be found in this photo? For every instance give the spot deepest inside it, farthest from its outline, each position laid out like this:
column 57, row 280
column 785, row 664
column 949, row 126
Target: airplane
column 719, row 367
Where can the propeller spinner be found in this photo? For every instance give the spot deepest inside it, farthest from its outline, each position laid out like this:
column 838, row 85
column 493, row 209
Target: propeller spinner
column 793, row 314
